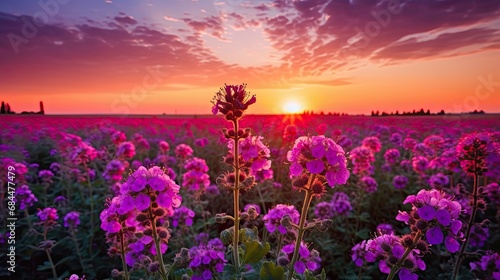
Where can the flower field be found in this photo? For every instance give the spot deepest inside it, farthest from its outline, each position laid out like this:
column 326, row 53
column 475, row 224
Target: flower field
column 309, row 196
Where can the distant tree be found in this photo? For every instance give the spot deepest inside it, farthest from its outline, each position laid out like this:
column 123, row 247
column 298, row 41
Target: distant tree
column 428, row 112
column 441, row 112
column 373, row 113
column 397, row 113
column 2, row 110
column 42, row 111
column 414, row 112
column 7, row 109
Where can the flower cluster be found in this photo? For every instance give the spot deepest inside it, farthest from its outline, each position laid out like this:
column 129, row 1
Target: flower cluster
column 488, row 267
column 48, row 217
column 126, row 150
column 341, row 204
column 389, row 249
column 183, row 152
column 320, row 156
column 182, row 216
column 24, row 197
column 72, row 220
column 139, row 214
column 196, row 177
column 308, row 259
column 273, row 218
column 207, row 261
column 362, row 158
column 369, row 184
column 114, row 171
column 432, row 214
column 392, row 156
column 472, row 151
column 399, row 181
column 372, row 143
column 253, row 154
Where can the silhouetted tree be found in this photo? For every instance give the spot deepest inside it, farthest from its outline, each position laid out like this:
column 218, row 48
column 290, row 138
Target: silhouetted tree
column 2, row 110
column 7, row 109
column 42, row 111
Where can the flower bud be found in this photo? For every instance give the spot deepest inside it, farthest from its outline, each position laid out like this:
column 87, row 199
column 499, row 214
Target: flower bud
column 226, row 236
column 154, row 267
column 323, row 225
column 115, row 273
column 220, row 218
column 244, row 216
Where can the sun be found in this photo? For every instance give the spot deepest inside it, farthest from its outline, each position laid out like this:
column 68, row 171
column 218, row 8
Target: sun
column 292, row 107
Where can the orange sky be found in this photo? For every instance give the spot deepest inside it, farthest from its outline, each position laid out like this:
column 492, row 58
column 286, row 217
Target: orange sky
column 154, row 58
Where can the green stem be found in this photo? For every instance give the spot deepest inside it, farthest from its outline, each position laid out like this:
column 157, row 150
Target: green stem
column 54, row 273
column 91, row 209
column 303, row 217
column 122, row 253
column 472, row 217
column 163, row 273
column 236, row 198
column 408, row 250
column 75, row 240
column 53, row 268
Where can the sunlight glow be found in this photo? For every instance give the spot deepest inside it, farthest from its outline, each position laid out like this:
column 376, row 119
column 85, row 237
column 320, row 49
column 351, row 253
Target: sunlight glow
column 292, row 107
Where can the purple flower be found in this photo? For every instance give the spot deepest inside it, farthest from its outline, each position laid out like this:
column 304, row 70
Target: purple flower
column 362, row 158
column 392, row 156
column 318, row 155
column 72, row 219
column 399, row 181
column 207, row 260
column 307, row 259
column 369, row 184
column 372, row 143
column 24, row 197
column 273, row 218
column 341, row 204
column 183, row 216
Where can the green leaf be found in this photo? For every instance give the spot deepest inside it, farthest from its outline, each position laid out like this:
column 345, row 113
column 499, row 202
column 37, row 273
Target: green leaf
column 269, row 271
column 255, row 251
column 179, row 272
column 363, row 233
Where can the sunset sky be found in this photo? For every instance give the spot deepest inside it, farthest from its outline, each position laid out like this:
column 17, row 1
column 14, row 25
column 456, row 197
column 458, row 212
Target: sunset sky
column 171, row 56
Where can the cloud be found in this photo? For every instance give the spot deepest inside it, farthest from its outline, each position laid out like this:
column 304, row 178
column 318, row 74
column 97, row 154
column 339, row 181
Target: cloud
column 127, row 20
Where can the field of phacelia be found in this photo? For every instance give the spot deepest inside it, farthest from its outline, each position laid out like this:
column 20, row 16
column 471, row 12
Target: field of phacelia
column 299, row 197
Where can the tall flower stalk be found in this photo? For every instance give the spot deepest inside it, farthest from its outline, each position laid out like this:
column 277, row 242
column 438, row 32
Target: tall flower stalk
column 232, row 101
column 472, row 151
column 315, row 162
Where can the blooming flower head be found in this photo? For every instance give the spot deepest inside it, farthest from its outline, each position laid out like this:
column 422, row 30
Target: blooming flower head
column 273, row 218
column 400, row 181
column 84, row 152
column 253, row 153
column 324, row 210
column 164, row 147
column 126, row 150
column 183, row 151
column 439, row 181
column 24, row 197
column 207, row 261
column 488, row 267
column 47, row 214
column 435, row 142
column 409, row 144
column 361, row 157
column 118, row 137
column 114, row 171
column 372, row 143
column 45, row 175
column 433, row 213
column 388, row 250
column 290, row 133
column 321, row 156
column 392, row 156
column 420, row 164
column 385, row 229
column 72, row 219
column 369, row 184
column 182, row 216
column 341, row 204
column 201, row 142
column 232, row 101
column 308, row 259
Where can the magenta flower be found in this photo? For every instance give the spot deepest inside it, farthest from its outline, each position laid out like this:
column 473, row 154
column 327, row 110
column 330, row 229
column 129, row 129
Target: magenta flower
column 321, row 156
column 307, row 259
column 72, row 219
column 434, row 214
column 126, row 150
column 372, row 143
column 183, row 151
column 24, row 197
column 273, row 218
